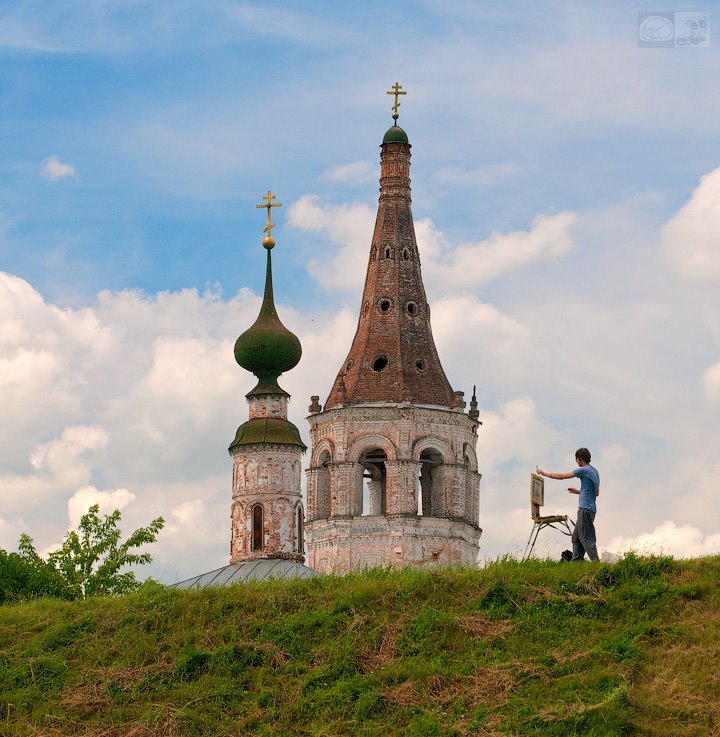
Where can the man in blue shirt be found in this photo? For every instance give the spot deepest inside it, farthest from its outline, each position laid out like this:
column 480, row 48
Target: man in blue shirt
column 583, row 537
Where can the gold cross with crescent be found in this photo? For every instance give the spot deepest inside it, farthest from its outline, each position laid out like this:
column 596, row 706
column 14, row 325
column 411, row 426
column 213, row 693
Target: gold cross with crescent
column 269, row 197
column 395, row 90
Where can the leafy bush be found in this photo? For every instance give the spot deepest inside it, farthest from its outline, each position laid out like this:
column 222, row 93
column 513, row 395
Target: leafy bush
column 24, row 576
column 89, row 563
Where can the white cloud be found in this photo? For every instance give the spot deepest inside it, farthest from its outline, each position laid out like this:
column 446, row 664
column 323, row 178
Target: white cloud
column 470, row 264
column 48, row 358
column 359, row 172
column 68, row 457
column 452, row 268
column 53, row 169
column 481, row 323
column 516, row 433
column 481, row 347
column 108, row 501
column 346, row 226
column 710, row 381
column 431, row 242
column 690, row 238
column 115, row 396
column 188, row 513
column 325, row 345
column 669, row 538
column 138, row 398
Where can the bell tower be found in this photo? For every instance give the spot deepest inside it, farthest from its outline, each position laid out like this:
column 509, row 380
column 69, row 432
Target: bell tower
column 393, row 476
column 267, row 512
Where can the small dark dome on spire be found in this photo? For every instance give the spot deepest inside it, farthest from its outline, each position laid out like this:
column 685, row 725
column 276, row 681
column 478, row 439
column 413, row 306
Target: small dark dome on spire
column 395, row 134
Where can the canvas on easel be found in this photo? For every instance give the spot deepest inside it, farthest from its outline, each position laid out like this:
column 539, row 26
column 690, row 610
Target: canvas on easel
column 537, row 494
column 537, row 499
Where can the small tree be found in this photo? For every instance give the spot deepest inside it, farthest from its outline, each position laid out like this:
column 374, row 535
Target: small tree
column 26, row 576
column 91, row 559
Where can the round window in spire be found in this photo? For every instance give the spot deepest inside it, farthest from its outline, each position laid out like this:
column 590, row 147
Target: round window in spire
column 420, row 364
column 384, row 305
column 380, row 363
column 412, row 309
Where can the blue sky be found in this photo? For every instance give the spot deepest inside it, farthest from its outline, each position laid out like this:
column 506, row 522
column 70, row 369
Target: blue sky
column 566, row 192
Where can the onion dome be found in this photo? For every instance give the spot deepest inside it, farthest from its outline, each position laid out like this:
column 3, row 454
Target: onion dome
column 268, row 348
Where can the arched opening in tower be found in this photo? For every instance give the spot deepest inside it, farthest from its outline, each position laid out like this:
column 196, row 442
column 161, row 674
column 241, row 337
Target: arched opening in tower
column 471, row 486
column 258, row 532
column 322, row 493
column 430, row 493
column 374, row 483
column 299, row 526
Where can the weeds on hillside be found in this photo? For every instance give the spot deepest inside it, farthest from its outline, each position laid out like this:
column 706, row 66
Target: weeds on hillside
column 533, row 648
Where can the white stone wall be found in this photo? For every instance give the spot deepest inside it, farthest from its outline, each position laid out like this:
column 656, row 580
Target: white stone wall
column 351, row 544
column 268, row 406
column 339, row 538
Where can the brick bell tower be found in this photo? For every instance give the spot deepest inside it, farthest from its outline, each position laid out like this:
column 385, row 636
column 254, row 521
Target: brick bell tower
column 267, row 512
column 393, row 476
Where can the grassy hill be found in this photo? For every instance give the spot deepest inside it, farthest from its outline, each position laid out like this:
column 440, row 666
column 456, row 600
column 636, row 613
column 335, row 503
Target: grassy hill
column 535, row 648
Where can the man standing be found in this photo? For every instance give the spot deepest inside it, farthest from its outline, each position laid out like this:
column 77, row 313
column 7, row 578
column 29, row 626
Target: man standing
column 583, row 537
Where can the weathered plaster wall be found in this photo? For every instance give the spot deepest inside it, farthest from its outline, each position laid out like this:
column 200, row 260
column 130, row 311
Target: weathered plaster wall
column 340, row 538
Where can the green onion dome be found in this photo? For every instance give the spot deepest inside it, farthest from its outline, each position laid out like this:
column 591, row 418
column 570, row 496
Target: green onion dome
column 268, row 348
column 395, row 134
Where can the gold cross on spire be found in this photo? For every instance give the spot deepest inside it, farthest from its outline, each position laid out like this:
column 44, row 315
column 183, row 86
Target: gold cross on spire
column 395, row 90
column 269, row 241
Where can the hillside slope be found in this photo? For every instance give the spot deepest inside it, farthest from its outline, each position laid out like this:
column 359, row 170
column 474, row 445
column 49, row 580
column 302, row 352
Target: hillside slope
column 536, row 648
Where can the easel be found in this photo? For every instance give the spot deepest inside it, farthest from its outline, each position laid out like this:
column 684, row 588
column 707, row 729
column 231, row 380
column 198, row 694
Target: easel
column 537, row 500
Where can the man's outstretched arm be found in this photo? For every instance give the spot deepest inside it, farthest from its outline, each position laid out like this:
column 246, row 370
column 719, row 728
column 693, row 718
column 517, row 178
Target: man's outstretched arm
column 558, row 476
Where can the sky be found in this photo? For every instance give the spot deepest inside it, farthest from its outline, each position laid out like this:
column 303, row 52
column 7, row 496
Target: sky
column 566, row 196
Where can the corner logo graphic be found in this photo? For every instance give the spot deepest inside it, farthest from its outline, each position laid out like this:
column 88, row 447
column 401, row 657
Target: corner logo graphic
column 657, row 30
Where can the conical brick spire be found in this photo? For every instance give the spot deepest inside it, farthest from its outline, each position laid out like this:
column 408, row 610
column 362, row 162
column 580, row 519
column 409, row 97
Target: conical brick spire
column 393, row 356
column 393, row 477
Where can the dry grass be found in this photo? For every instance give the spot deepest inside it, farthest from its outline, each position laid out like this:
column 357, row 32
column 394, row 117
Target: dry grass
column 678, row 690
column 88, row 697
column 386, row 652
column 488, row 686
column 405, row 695
column 563, row 658
column 168, row 728
column 483, row 628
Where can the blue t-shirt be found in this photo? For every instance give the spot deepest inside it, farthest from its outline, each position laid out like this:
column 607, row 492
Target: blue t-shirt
column 589, row 484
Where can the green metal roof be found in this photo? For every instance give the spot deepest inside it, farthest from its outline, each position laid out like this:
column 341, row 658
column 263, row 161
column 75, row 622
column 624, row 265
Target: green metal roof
column 249, row 570
column 261, row 430
column 395, row 134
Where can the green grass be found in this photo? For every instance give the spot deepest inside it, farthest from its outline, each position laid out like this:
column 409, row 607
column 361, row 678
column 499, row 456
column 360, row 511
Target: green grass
column 535, row 648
